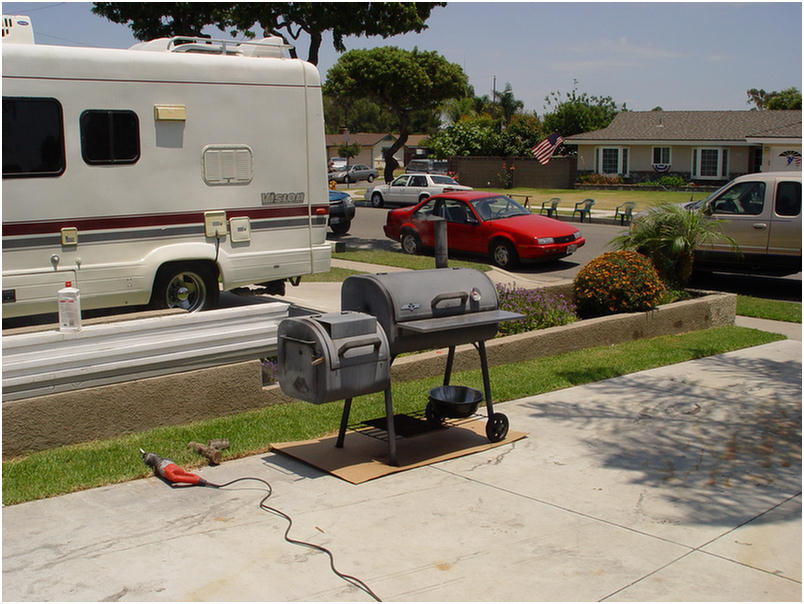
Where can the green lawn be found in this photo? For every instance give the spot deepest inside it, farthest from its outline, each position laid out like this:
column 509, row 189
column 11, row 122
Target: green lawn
column 78, row 467
column 402, row 260
column 762, row 308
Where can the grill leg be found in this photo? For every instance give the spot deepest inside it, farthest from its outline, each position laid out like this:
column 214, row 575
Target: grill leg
column 484, row 365
column 347, row 407
column 448, row 370
column 389, row 417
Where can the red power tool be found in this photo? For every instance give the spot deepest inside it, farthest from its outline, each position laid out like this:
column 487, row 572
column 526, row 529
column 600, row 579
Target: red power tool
column 169, row 471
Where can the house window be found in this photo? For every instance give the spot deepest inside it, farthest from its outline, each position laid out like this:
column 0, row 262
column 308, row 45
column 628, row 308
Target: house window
column 612, row 160
column 110, row 137
column 661, row 155
column 710, row 163
column 33, row 137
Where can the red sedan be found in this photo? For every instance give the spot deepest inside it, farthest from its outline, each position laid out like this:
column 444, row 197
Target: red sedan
column 480, row 222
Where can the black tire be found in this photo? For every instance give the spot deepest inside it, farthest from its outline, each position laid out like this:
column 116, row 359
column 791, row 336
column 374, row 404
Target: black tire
column 370, row 178
column 187, row 285
column 503, row 254
column 497, row 427
column 341, row 228
column 423, row 197
column 376, row 200
column 411, row 244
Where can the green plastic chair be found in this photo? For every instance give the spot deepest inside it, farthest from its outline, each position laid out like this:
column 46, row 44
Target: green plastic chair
column 625, row 212
column 550, row 206
column 584, row 208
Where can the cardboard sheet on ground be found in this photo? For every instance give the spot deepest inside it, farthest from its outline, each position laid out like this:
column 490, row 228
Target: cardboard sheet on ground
column 364, row 455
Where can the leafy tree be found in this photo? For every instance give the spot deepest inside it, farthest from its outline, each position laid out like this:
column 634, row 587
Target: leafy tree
column 400, row 80
column 349, row 150
column 789, row 98
column 286, row 19
column 573, row 113
column 481, row 137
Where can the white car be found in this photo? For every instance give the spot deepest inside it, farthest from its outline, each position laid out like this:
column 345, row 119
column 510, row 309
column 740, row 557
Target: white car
column 412, row 188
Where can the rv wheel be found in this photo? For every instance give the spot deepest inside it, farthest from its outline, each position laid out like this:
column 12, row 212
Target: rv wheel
column 188, row 286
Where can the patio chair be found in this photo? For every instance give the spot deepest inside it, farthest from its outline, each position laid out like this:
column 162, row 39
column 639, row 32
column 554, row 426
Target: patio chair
column 625, row 212
column 584, row 208
column 550, row 206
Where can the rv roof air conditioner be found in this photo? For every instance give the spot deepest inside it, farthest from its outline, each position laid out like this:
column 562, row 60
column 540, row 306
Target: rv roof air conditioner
column 272, row 46
column 17, row 29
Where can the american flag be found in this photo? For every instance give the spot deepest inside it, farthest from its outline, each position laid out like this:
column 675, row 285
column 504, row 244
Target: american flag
column 544, row 150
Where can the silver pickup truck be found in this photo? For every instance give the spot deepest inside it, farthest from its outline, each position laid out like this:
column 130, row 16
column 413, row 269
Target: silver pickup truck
column 762, row 213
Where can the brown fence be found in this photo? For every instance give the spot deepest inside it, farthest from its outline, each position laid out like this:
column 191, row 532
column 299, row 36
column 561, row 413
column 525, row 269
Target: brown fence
column 479, row 172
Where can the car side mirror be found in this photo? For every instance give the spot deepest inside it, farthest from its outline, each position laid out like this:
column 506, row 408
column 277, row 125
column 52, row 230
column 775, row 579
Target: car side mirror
column 709, row 208
column 472, row 220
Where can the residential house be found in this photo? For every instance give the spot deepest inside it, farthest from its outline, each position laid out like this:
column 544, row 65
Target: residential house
column 705, row 146
column 371, row 147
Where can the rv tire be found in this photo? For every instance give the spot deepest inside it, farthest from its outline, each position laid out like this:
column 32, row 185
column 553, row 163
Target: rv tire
column 187, row 285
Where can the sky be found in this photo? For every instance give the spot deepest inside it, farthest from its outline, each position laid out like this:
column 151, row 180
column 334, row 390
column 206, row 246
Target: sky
column 678, row 56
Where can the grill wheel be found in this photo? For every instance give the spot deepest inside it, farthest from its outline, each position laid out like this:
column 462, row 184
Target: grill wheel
column 497, row 427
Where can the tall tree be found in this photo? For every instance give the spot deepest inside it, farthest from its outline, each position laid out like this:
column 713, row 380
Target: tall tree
column 401, row 80
column 286, row 19
column 508, row 104
column 789, row 98
column 573, row 113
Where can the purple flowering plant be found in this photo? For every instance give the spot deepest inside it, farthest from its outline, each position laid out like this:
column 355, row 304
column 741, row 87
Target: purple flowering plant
column 540, row 308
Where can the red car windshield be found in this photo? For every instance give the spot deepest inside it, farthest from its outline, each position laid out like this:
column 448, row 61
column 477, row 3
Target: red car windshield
column 497, row 207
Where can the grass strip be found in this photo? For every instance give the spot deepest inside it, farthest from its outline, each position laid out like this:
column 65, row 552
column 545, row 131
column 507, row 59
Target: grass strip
column 76, row 467
column 335, row 275
column 763, row 308
column 403, row 260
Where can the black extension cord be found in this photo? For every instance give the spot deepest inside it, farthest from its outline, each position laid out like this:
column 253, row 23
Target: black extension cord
column 354, row 581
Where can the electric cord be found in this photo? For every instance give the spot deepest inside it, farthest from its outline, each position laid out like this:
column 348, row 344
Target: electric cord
column 354, row 581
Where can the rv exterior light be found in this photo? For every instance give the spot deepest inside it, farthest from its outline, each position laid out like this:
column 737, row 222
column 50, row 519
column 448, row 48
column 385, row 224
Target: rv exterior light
column 170, row 113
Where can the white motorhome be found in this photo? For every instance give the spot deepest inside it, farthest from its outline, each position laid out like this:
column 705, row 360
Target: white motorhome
column 155, row 173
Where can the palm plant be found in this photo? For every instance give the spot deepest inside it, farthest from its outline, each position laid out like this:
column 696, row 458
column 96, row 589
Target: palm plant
column 668, row 234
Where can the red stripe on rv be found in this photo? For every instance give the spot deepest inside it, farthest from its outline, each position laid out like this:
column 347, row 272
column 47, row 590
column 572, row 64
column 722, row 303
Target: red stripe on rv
column 41, row 227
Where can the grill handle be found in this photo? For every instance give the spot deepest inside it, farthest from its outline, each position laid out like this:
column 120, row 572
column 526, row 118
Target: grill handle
column 463, row 296
column 359, row 343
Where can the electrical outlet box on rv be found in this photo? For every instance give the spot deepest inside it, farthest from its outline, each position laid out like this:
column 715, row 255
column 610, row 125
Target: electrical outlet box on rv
column 151, row 175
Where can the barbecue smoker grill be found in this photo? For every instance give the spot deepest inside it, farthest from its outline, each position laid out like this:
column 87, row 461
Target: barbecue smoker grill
column 334, row 356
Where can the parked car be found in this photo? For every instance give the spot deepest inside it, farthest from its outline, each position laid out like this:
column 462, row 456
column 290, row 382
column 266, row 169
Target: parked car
column 427, row 166
column 336, row 164
column 412, row 188
column 762, row 213
column 354, row 173
column 490, row 224
column 341, row 211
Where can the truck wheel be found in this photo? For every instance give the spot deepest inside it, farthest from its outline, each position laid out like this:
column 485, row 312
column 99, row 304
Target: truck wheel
column 376, row 200
column 341, row 228
column 193, row 287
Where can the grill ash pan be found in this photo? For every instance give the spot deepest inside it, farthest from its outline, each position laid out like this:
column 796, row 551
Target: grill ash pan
column 333, row 356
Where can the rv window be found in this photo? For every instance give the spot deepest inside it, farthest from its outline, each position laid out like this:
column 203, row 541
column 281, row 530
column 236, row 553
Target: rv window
column 33, row 137
column 110, row 137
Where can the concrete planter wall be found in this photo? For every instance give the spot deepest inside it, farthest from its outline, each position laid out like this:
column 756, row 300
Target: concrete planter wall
column 101, row 412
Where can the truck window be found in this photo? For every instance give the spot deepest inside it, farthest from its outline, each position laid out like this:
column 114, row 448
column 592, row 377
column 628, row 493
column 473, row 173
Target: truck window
column 33, row 137
column 788, row 199
column 110, row 137
column 743, row 198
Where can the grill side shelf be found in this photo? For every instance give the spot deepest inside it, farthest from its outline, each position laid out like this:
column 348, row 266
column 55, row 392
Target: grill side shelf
column 459, row 322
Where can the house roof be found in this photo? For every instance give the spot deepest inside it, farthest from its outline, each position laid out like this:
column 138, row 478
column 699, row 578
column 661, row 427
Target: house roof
column 723, row 126
column 365, row 139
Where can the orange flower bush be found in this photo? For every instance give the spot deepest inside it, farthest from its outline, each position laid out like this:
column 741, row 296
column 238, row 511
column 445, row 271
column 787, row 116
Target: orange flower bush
column 622, row 281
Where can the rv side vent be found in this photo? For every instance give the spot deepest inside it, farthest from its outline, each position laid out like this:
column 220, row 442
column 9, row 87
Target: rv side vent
column 17, row 29
column 227, row 164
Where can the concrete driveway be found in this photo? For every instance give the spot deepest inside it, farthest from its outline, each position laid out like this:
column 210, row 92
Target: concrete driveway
column 680, row 483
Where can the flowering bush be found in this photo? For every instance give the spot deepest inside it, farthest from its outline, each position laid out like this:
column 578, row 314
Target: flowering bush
column 540, row 309
column 269, row 371
column 622, row 281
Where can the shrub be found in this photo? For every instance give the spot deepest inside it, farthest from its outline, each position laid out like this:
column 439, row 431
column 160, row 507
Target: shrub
column 600, row 179
column 269, row 369
column 622, row 281
column 541, row 309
